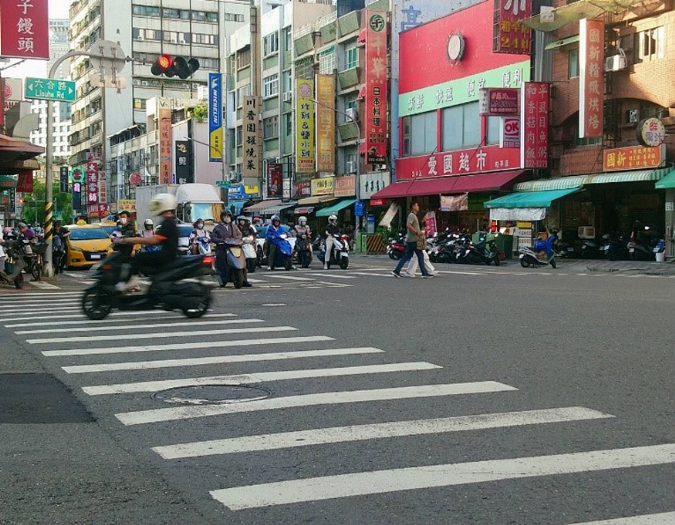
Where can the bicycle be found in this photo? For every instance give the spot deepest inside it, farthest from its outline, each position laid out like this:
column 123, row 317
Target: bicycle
column 35, row 262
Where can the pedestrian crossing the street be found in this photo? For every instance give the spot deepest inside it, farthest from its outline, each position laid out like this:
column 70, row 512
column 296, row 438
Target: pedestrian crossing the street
column 351, row 396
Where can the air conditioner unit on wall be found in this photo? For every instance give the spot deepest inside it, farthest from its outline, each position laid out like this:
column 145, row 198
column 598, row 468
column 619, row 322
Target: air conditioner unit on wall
column 352, row 114
column 287, row 97
column 351, row 166
column 616, row 63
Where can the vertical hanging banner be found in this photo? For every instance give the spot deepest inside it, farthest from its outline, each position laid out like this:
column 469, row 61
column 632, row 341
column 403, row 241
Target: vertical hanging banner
column 164, row 116
column 251, row 138
column 215, row 112
column 376, row 88
column 24, row 26
column 591, row 72
column 183, row 169
column 102, row 188
column 304, row 119
column 274, row 180
column 92, row 182
column 325, row 123
column 510, row 36
column 25, row 181
column 534, row 125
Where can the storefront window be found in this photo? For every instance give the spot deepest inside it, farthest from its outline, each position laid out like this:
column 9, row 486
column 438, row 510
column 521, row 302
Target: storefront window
column 573, row 63
column 494, row 125
column 422, row 133
column 461, row 127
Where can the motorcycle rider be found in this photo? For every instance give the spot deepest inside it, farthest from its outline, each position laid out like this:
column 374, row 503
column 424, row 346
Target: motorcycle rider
column 166, row 237
column 148, row 228
column 225, row 230
column 198, row 233
column 2, row 253
column 274, row 237
column 303, row 229
column 125, row 227
column 331, row 231
column 245, row 227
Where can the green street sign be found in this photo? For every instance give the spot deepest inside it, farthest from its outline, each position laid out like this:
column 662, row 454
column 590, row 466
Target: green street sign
column 223, row 183
column 50, row 89
column 77, row 175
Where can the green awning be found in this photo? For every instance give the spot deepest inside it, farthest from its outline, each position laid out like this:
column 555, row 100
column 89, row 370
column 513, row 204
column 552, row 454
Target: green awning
column 7, row 182
column 563, row 42
column 577, row 181
column 325, row 212
column 666, row 182
column 529, row 199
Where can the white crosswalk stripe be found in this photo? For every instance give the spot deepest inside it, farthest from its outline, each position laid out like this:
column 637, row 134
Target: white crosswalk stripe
column 665, row 518
column 382, row 481
column 327, row 398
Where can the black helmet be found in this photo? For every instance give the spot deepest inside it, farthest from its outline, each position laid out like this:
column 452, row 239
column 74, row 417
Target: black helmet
column 225, row 213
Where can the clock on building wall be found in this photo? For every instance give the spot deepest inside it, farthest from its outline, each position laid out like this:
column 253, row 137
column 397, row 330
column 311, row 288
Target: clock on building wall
column 456, row 45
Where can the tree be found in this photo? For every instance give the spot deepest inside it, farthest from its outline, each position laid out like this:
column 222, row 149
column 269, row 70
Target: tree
column 34, row 205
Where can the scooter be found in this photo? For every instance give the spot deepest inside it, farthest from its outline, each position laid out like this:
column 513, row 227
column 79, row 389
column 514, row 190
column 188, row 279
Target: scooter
column 250, row 253
column 303, row 250
column 339, row 254
column 614, row 247
column 483, row 252
column 203, row 246
column 540, row 254
column 234, row 264
column 395, row 248
column 14, row 265
column 167, row 289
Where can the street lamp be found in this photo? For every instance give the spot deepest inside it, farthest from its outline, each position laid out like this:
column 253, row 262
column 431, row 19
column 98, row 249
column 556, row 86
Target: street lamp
column 358, row 158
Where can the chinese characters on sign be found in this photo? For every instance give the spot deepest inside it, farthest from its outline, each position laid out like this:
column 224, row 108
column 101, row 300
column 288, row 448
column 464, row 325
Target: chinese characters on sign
column 24, row 27
column 325, row 123
column 534, row 125
column 345, row 186
column 510, row 35
column 215, row 113
column 323, row 186
column 633, row 158
column 183, row 168
column 460, row 162
column 102, row 188
column 164, row 116
column 591, row 66
column 373, row 182
column 499, row 101
column 92, row 182
column 304, row 119
column 274, row 180
column 376, row 88
column 251, row 137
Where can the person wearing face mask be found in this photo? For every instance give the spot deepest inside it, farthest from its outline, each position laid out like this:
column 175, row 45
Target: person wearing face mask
column 223, row 234
column 148, row 229
column 125, row 228
column 197, row 235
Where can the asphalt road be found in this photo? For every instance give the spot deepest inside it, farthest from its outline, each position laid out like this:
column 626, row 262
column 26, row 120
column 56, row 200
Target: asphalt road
column 484, row 395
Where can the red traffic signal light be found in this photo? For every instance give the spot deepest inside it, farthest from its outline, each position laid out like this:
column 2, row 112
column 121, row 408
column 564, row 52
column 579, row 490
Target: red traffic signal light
column 170, row 66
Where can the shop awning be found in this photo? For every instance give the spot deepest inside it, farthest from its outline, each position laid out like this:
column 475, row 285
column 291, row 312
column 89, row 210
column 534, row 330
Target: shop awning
column 578, row 181
column 666, row 182
column 313, row 201
column 529, row 199
column 264, row 204
column 303, row 210
column 325, row 212
column 517, row 214
column 562, row 42
column 448, row 185
column 276, row 210
column 269, row 207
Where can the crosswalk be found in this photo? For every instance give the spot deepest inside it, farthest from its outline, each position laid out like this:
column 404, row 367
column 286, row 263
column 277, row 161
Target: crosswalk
column 350, row 396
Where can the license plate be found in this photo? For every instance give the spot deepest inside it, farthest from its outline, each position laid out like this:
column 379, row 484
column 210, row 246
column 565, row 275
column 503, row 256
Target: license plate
column 631, row 250
column 95, row 256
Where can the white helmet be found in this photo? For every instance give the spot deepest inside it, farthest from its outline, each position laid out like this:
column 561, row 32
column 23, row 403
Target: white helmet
column 162, row 202
column 332, row 217
column 148, row 222
column 302, row 220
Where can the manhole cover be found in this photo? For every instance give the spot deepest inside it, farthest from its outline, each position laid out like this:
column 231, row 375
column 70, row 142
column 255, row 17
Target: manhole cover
column 211, row 394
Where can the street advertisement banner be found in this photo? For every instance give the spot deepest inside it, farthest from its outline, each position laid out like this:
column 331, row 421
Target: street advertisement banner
column 102, row 187
column 534, row 125
column 241, row 192
column 92, row 182
column 430, row 226
column 103, row 210
column 499, row 101
column 63, row 179
column 183, row 168
column 164, row 116
column 77, row 196
column 510, row 35
column 323, row 186
column 24, row 27
column 302, row 189
column 25, row 182
column 633, row 158
column 509, row 136
column 325, row 123
column 304, row 125
column 215, row 114
column 373, row 182
column 591, row 75
column 251, row 138
column 375, row 119
column 461, row 162
column 274, row 180
column 455, row 202
column 345, row 186
column 126, row 205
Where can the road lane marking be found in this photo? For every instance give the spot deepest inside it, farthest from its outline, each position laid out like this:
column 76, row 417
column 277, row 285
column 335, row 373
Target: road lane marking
column 291, row 277
column 41, row 285
column 336, row 276
column 193, row 323
column 134, row 313
column 93, row 325
column 60, row 302
column 388, row 274
column 244, row 379
column 221, row 359
column 665, row 518
column 322, row 436
column 414, row 478
column 41, row 294
column 305, row 400
column 158, row 335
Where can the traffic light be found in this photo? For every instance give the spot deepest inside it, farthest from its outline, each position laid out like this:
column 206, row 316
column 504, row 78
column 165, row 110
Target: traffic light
column 171, row 66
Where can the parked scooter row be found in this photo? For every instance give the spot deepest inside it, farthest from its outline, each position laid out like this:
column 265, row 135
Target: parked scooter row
column 459, row 248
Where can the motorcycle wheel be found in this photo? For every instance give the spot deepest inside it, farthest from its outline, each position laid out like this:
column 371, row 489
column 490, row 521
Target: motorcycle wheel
column 497, row 262
column 306, row 259
column 18, row 281
column 525, row 263
column 94, row 305
column 553, row 263
column 194, row 313
column 288, row 263
column 396, row 255
column 250, row 265
column 36, row 270
column 237, row 278
column 344, row 263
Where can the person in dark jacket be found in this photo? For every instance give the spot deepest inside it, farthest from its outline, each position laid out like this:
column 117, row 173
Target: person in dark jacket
column 226, row 233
